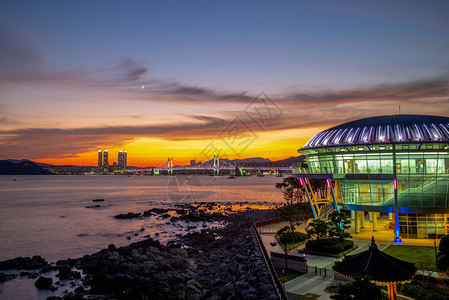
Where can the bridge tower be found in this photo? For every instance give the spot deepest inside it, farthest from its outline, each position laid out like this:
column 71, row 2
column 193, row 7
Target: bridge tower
column 216, row 165
column 170, row 165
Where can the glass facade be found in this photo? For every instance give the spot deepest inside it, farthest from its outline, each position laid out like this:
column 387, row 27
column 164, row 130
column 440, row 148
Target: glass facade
column 422, row 173
column 374, row 159
column 365, row 175
column 419, row 226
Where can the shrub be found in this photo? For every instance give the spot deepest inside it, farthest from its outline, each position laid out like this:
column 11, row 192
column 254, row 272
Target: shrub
column 443, row 255
column 283, row 230
column 420, row 293
column 292, row 237
column 443, row 262
column 444, row 245
column 361, row 289
column 332, row 246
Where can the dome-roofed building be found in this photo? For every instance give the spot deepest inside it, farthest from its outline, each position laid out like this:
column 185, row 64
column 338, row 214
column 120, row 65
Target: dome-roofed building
column 392, row 164
column 394, row 128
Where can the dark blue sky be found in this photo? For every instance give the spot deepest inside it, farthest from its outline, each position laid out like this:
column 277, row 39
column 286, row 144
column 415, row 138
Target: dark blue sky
column 241, row 44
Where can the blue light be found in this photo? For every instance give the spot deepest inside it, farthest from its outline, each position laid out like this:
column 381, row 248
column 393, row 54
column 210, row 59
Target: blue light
column 397, row 239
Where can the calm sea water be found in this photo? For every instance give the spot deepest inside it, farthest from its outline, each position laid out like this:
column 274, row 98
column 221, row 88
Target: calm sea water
column 47, row 215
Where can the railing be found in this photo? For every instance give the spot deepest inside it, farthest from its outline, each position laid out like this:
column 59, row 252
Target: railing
column 317, row 271
column 268, row 222
column 277, row 282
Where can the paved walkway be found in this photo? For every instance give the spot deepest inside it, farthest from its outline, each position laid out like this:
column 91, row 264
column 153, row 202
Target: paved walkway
column 383, row 233
column 309, row 286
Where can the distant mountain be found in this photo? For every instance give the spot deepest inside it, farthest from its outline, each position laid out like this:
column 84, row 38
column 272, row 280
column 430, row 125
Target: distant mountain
column 24, row 167
column 265, row 161
column 17, row 161
column 253, row 160
column 290, row 161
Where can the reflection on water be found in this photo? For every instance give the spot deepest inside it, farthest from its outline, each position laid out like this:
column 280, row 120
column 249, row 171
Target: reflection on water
column 54, row 216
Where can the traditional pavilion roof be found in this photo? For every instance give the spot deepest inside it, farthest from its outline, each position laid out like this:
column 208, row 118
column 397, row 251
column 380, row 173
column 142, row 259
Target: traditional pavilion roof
column 377, row 264
column 384, row 129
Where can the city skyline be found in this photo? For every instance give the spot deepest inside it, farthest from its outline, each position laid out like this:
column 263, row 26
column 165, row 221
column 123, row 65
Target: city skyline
column 103, row 165
column 178, row 79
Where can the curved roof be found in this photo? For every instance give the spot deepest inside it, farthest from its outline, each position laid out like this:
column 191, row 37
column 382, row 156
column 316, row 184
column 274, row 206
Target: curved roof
column 384, row 129
column 377, row 264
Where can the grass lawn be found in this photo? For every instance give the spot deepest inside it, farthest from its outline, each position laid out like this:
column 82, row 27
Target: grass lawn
column 291, row 246
column 288, row 275
column 423, row 257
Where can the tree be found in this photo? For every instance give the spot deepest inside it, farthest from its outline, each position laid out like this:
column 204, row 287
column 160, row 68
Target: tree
column 338, row 225
column 444, row 245
column 443, row 255
column 291, row 214
column 319, row 186
column 319, row 229
column 361, row 289
column 291, row 189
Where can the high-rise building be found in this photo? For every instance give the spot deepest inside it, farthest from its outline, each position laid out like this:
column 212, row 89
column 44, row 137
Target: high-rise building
column 120, row 160
column 125, row 160
column 100, row 160
column 105, row 161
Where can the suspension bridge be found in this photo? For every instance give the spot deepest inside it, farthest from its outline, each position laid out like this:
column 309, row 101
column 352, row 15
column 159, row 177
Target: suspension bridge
column 213, row 166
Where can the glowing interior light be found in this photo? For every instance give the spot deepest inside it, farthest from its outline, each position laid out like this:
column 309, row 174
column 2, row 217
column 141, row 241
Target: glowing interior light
column 395, row 184
column 436, row 132
column 337, row 136
column 445, row 130
column 328, row 182
column 363, row 134
column 408, row 133
column 417, row 131
column 306, row 180
column 300, row 181
column 399, row 132
column 370, row 133
column 380, row 133
column 354, row 135
column 349, row 135
column 427, row 133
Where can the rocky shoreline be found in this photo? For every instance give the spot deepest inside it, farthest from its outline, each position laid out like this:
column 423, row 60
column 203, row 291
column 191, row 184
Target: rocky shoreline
column 215, row 263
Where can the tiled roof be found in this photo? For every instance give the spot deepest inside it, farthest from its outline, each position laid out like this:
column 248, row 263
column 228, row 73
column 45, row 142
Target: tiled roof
column 377, row 264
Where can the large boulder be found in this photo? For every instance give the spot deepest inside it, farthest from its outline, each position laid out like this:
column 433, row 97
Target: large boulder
column 26, row 263
column 43, row 282
column 129, row 215
column 6, row 276
column 65, row 272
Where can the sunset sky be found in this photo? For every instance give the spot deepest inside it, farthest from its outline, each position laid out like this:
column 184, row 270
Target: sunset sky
column 188, row 79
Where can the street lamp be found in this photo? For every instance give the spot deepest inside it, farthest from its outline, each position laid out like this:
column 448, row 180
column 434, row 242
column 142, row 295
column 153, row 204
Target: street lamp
column 435, row 247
